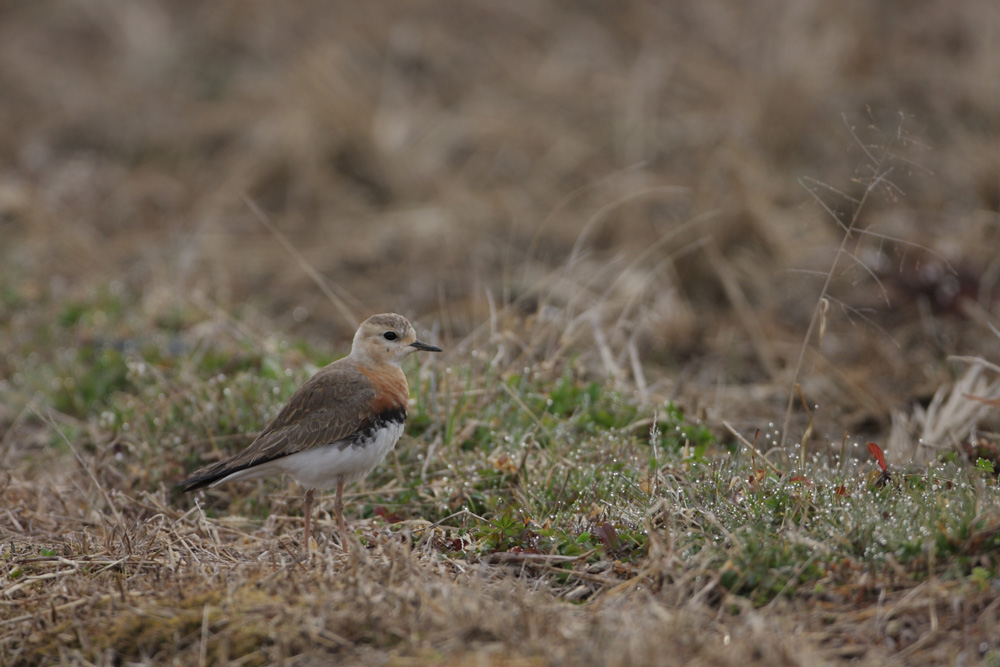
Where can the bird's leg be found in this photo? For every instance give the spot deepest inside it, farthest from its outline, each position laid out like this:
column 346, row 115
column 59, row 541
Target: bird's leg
column 307, row 509
column 339, row 508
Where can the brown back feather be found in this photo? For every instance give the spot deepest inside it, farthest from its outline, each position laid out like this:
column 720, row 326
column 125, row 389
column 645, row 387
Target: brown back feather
column 330, row 406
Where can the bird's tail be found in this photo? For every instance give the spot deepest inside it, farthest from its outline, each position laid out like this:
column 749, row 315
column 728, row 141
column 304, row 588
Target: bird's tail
column 207, row 476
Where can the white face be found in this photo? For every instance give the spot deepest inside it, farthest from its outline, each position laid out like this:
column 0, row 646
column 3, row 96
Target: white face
column 385, row 342
column 387, row 339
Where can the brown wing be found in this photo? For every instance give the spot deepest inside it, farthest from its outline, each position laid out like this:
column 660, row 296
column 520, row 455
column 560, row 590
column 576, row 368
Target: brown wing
column 330, row 406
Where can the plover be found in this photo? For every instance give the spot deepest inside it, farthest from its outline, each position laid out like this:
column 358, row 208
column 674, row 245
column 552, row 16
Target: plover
column 337, row 426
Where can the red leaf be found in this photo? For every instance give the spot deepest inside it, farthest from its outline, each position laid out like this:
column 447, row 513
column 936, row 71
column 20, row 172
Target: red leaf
column 387, row 516
column 608, row 535
column 842, row 491
column 876, row 452
column 455, row 544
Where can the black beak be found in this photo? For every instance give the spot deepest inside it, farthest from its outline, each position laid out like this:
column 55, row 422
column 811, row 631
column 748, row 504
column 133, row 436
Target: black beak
column 424, row 346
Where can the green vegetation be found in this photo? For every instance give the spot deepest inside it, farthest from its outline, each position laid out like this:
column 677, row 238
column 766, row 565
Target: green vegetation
column 529, row 465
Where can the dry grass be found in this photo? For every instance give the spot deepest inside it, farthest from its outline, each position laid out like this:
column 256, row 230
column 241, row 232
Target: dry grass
column 593, row 207
column 94, row 575
column 142, row 581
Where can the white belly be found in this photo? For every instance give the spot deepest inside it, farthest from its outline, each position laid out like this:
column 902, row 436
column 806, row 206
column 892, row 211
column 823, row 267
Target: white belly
column 323, row 467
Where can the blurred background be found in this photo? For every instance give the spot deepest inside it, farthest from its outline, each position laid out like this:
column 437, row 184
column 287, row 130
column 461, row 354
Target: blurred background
column 656, row 192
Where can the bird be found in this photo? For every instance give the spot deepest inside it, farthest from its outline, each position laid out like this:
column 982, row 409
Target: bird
column 338, row 426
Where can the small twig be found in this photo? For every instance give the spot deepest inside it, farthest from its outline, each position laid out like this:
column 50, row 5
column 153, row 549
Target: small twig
column 430, row 527
column 313, row 274
column 47, row 418
column 808, row 432
column 744, row 309
column 607, row 359
column 637, row 373
column 520, row 557
column 203, row 648
column 753, row 448
column 520, row 403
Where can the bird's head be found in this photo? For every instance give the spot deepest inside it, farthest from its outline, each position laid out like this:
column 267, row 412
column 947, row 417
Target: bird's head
column 387, row 339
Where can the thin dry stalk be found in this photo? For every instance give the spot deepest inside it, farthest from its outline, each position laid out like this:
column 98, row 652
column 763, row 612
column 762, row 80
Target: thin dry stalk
column 339, row 303
column 848, row 229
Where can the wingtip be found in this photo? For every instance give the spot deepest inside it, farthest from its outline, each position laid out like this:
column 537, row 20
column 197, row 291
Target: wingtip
column 187, row 485
column 196, row 482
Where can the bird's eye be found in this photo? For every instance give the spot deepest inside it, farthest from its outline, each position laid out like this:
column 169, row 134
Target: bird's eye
column 390, row 335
